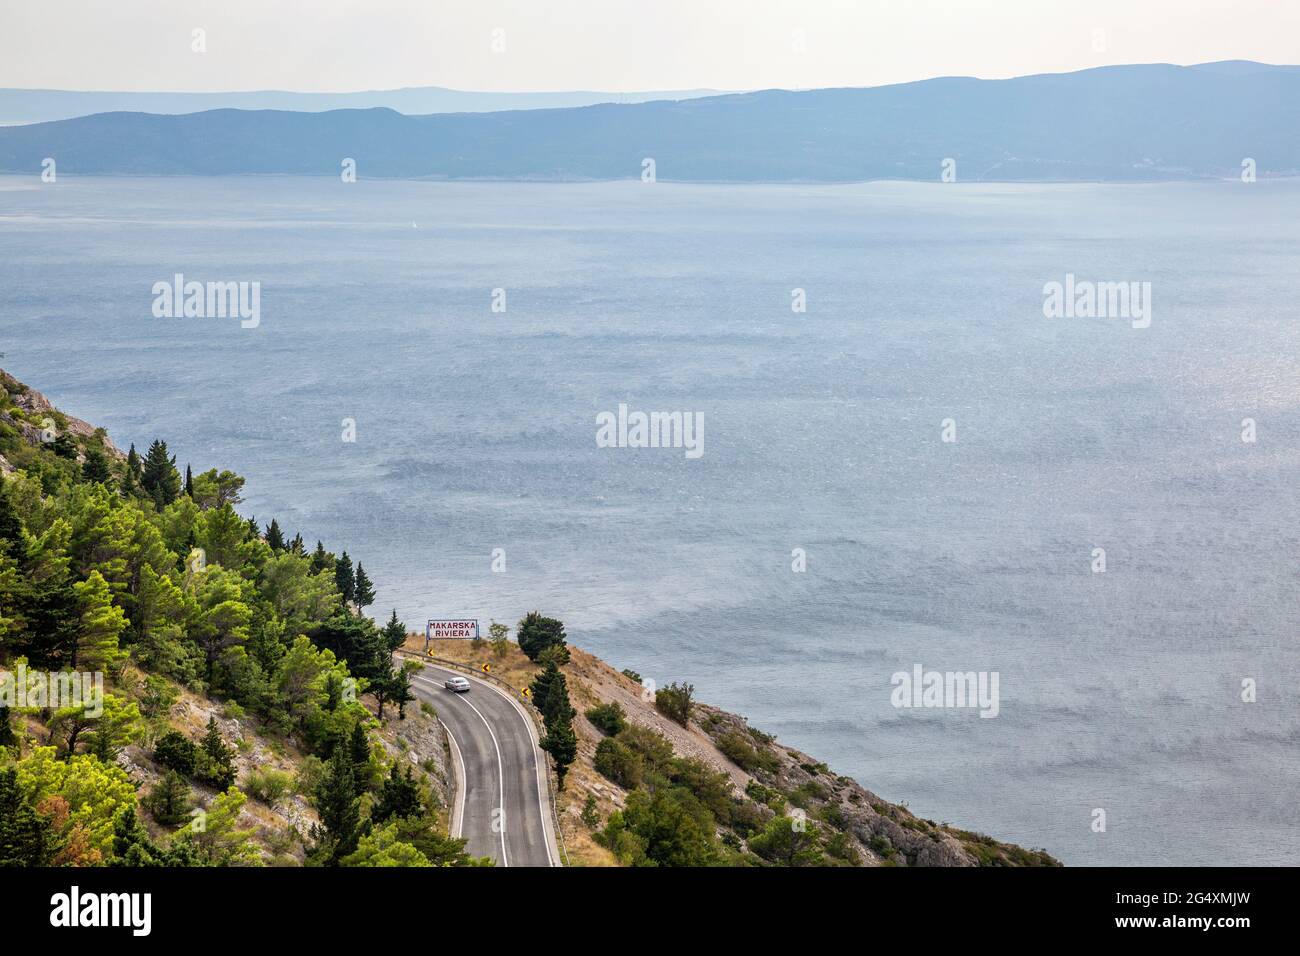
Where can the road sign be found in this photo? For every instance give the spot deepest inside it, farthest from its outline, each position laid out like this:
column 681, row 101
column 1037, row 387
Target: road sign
column 447, row 628
column 487, row 668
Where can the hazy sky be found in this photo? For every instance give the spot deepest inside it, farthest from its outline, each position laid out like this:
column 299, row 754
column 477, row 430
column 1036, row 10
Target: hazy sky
column 345, row 45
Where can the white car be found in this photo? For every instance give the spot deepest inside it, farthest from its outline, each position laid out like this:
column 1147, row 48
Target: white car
column 457, row 684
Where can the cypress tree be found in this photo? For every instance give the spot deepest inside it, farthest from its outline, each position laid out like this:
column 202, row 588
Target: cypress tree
column 344, row 579
column 159, row 477
column 363, row 591
column 189, row 482
column 131, row 480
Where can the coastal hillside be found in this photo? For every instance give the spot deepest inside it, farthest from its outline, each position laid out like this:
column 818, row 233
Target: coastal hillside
column 638, row 763
column 1116, row 123
column 252, row 713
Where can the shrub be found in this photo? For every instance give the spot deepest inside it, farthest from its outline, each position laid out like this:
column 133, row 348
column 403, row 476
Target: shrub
column 666, row 828
column 177, row 752
column 619, row 763
column 311, row 773
column 738, row 750
column 631, row 674
column 841, row 847
column 674, row 702
column 745, row 817
column 653, row 747
column 159, row 696
column 609, row 718
column 590, row 818
column 270, row 786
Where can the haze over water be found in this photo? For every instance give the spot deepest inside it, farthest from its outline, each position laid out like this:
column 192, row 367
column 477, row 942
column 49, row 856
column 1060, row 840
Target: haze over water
column 476, row 430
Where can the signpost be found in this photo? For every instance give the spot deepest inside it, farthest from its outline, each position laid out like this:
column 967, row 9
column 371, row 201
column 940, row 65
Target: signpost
column 449, row 629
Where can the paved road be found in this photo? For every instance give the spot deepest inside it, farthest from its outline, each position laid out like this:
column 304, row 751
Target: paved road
column 499, row 765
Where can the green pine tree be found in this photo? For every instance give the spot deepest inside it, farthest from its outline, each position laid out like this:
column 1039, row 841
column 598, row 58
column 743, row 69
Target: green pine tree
column 24, row 837
column 320, row 559
column 7, row 736
column 95, row 468
column 339, row 808
column 169, row 800
column 217, row 761
column 11, row 526
column 159, row 477
column 536, row 633
column 131, row 480
column 274, row 536
column 550, row 692
column 359, row 754
column 394, row 632
column 400, row 691
column 539, row 690
column 400, row 797
column 562, row 744
column 363, row 590
column 556, row 708
column 344, row 579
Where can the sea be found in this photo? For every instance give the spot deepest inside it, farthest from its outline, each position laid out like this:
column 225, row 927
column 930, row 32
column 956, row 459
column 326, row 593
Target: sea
column 904, row 461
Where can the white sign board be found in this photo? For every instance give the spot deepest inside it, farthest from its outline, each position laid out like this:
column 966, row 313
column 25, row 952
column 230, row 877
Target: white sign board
column 441, row 630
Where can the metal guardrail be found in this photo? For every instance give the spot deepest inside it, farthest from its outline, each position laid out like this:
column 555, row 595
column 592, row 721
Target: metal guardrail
column 552, row 778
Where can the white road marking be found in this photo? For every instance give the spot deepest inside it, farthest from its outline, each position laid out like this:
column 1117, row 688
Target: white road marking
column 458, row 811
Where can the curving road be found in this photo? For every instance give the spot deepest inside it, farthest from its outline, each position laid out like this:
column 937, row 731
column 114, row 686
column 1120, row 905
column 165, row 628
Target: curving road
column 498, row 766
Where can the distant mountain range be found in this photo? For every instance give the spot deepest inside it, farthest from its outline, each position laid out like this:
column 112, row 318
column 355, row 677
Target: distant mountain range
column 43, row 106
column 1120, row 123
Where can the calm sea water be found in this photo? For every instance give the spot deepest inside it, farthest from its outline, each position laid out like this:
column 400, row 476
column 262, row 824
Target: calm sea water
column 476, row 431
